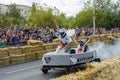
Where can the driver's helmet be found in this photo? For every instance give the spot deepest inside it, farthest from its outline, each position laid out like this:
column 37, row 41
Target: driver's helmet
column 81, row 42
column 62, row 33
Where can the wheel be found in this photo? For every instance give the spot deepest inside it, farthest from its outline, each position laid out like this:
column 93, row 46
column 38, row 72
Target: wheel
column 45, row 69
column 82, row 66
column 97, row 60
column 72, row 69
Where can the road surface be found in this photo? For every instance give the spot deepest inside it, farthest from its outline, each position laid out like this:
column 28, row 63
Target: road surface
column 28, row 71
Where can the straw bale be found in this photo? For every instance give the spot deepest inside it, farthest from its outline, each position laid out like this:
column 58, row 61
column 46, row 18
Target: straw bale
column 14, row 50
column 4, row 52
column 30, row 56
column 40, row 54
column 82, row 37
column 111, row 38
column 4, row 61
column 50, row 50
column 17, row 58
column 26, row 49
column 106, row 70
column 37, row 48
column 73, row 45
column 34, row 42
column 55, row 45
column 108, row 41
column 48, row 46
column 56, row 41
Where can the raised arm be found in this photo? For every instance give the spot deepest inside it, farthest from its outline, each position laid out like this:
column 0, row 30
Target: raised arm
column 86, row 41
column 73, row 38
column 56, row 24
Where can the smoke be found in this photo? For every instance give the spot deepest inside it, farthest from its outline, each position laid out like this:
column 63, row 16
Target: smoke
column 106, row 51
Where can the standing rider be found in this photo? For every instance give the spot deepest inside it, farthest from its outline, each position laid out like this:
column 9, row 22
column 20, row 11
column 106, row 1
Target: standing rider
column 64, row 40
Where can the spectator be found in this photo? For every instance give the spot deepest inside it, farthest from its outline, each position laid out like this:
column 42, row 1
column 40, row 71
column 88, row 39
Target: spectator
column 2, row 42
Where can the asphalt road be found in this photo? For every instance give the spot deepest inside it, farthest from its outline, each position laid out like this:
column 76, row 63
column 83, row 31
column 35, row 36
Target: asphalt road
column 28, row 71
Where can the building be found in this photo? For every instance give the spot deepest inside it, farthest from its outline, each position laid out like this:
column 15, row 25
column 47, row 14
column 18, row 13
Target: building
column 24, row 10
column 3, row 8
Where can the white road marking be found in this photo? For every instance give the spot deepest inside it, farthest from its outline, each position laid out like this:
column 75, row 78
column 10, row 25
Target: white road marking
column 23, row 69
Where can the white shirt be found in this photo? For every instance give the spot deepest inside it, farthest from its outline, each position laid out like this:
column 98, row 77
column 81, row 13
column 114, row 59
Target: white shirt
column 66, row 39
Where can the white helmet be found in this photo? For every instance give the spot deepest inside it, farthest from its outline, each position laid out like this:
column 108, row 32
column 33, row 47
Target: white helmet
column 62, row 33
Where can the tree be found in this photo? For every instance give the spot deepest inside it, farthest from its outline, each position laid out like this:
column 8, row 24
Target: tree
column 84, row 18
column 31, row 20
column 107, row 12
column 1, row 20
column 41, row 16
column 13, row 15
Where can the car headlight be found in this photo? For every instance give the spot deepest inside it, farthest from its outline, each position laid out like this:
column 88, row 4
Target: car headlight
column 47, row 59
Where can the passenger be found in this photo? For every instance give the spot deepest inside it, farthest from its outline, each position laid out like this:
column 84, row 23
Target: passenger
column 82, row 45
column 85, row 45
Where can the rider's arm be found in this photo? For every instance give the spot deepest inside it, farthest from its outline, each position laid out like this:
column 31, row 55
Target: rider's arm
column 56, row 24
column 87, row 40
column 73, row 38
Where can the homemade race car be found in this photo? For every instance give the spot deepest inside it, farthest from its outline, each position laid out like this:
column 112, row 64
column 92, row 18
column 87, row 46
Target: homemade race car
column 70, row 62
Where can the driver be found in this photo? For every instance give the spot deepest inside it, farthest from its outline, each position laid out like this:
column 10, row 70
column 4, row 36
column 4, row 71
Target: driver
column 64, row 40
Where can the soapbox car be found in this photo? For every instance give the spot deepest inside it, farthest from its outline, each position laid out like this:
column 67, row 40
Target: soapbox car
column 70, row 62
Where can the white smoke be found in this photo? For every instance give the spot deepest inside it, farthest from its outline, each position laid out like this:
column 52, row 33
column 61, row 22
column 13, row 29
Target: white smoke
column 106, row 51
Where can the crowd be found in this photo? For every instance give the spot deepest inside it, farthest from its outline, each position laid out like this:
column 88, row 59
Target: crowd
column 19, row 36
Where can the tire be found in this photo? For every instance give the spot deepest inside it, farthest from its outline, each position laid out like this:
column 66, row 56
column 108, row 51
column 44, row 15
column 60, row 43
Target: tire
column 45, row 69
column 82, row 66
column 97, row 60
column 72, row 69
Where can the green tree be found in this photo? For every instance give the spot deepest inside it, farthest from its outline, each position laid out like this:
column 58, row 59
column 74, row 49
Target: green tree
column 84, row 18
column 1, row 20
column 109, row 9
column 67, row 22
column 41, row 16
column 13, row 15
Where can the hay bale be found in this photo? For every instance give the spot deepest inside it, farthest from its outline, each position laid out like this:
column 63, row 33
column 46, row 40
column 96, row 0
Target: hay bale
column 4, row 52
column 108, row 41
column 50, row 50
column 30, row 56
column 111, row 38
column 55, row 45
column 37, row 48
column 34, row 42
column 14, row 50
column 40, row 54
column 4, row 61
column 49, row 46
column 73, row 44
column 17, row 58
column 26, row 49
column 56, row 41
